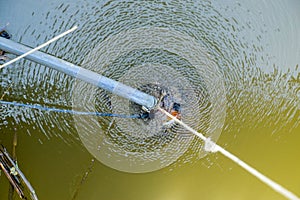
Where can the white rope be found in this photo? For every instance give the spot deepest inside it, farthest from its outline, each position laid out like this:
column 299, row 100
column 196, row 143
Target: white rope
column 39, row 47
column 213, row 147
column 4, row 27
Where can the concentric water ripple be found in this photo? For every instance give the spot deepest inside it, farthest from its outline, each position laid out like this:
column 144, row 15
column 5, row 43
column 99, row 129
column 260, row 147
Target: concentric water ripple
column 144, row 56
column 119, row 38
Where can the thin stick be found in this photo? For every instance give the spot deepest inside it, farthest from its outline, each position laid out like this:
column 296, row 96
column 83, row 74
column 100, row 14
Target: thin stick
column 213, row 147
column 84, row 178
column 14, row 156
column 3, row 95
column 39, row 47
column 22, row 176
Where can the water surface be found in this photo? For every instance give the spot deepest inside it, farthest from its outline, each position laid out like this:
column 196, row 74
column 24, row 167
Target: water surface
column 252, row 46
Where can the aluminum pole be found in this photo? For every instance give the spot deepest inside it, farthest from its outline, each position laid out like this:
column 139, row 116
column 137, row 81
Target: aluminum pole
column 75, row 71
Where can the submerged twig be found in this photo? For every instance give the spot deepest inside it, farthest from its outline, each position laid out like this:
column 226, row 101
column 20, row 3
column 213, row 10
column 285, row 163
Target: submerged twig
column 3, row 95
column 83, row 179
column 15, row 175
column 8, row 170
column 14, row 156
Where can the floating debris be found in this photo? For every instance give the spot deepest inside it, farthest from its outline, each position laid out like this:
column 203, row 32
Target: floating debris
column 15, row 175
column 84, row 178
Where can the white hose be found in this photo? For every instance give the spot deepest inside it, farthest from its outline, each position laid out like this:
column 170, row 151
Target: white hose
column 211, row 146
column 39, row 47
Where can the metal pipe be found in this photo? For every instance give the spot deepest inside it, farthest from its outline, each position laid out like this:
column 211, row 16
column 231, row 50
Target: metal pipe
column 75, row 71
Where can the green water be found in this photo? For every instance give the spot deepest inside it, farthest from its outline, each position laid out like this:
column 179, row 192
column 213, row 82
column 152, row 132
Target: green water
column 255, row 47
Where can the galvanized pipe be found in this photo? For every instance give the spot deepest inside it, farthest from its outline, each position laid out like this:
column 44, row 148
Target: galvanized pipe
column 75, row 71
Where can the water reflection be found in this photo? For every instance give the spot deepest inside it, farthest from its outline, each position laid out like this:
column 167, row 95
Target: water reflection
column 251, row 43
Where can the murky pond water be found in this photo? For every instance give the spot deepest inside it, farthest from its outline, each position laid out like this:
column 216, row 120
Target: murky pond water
column 234, row 65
